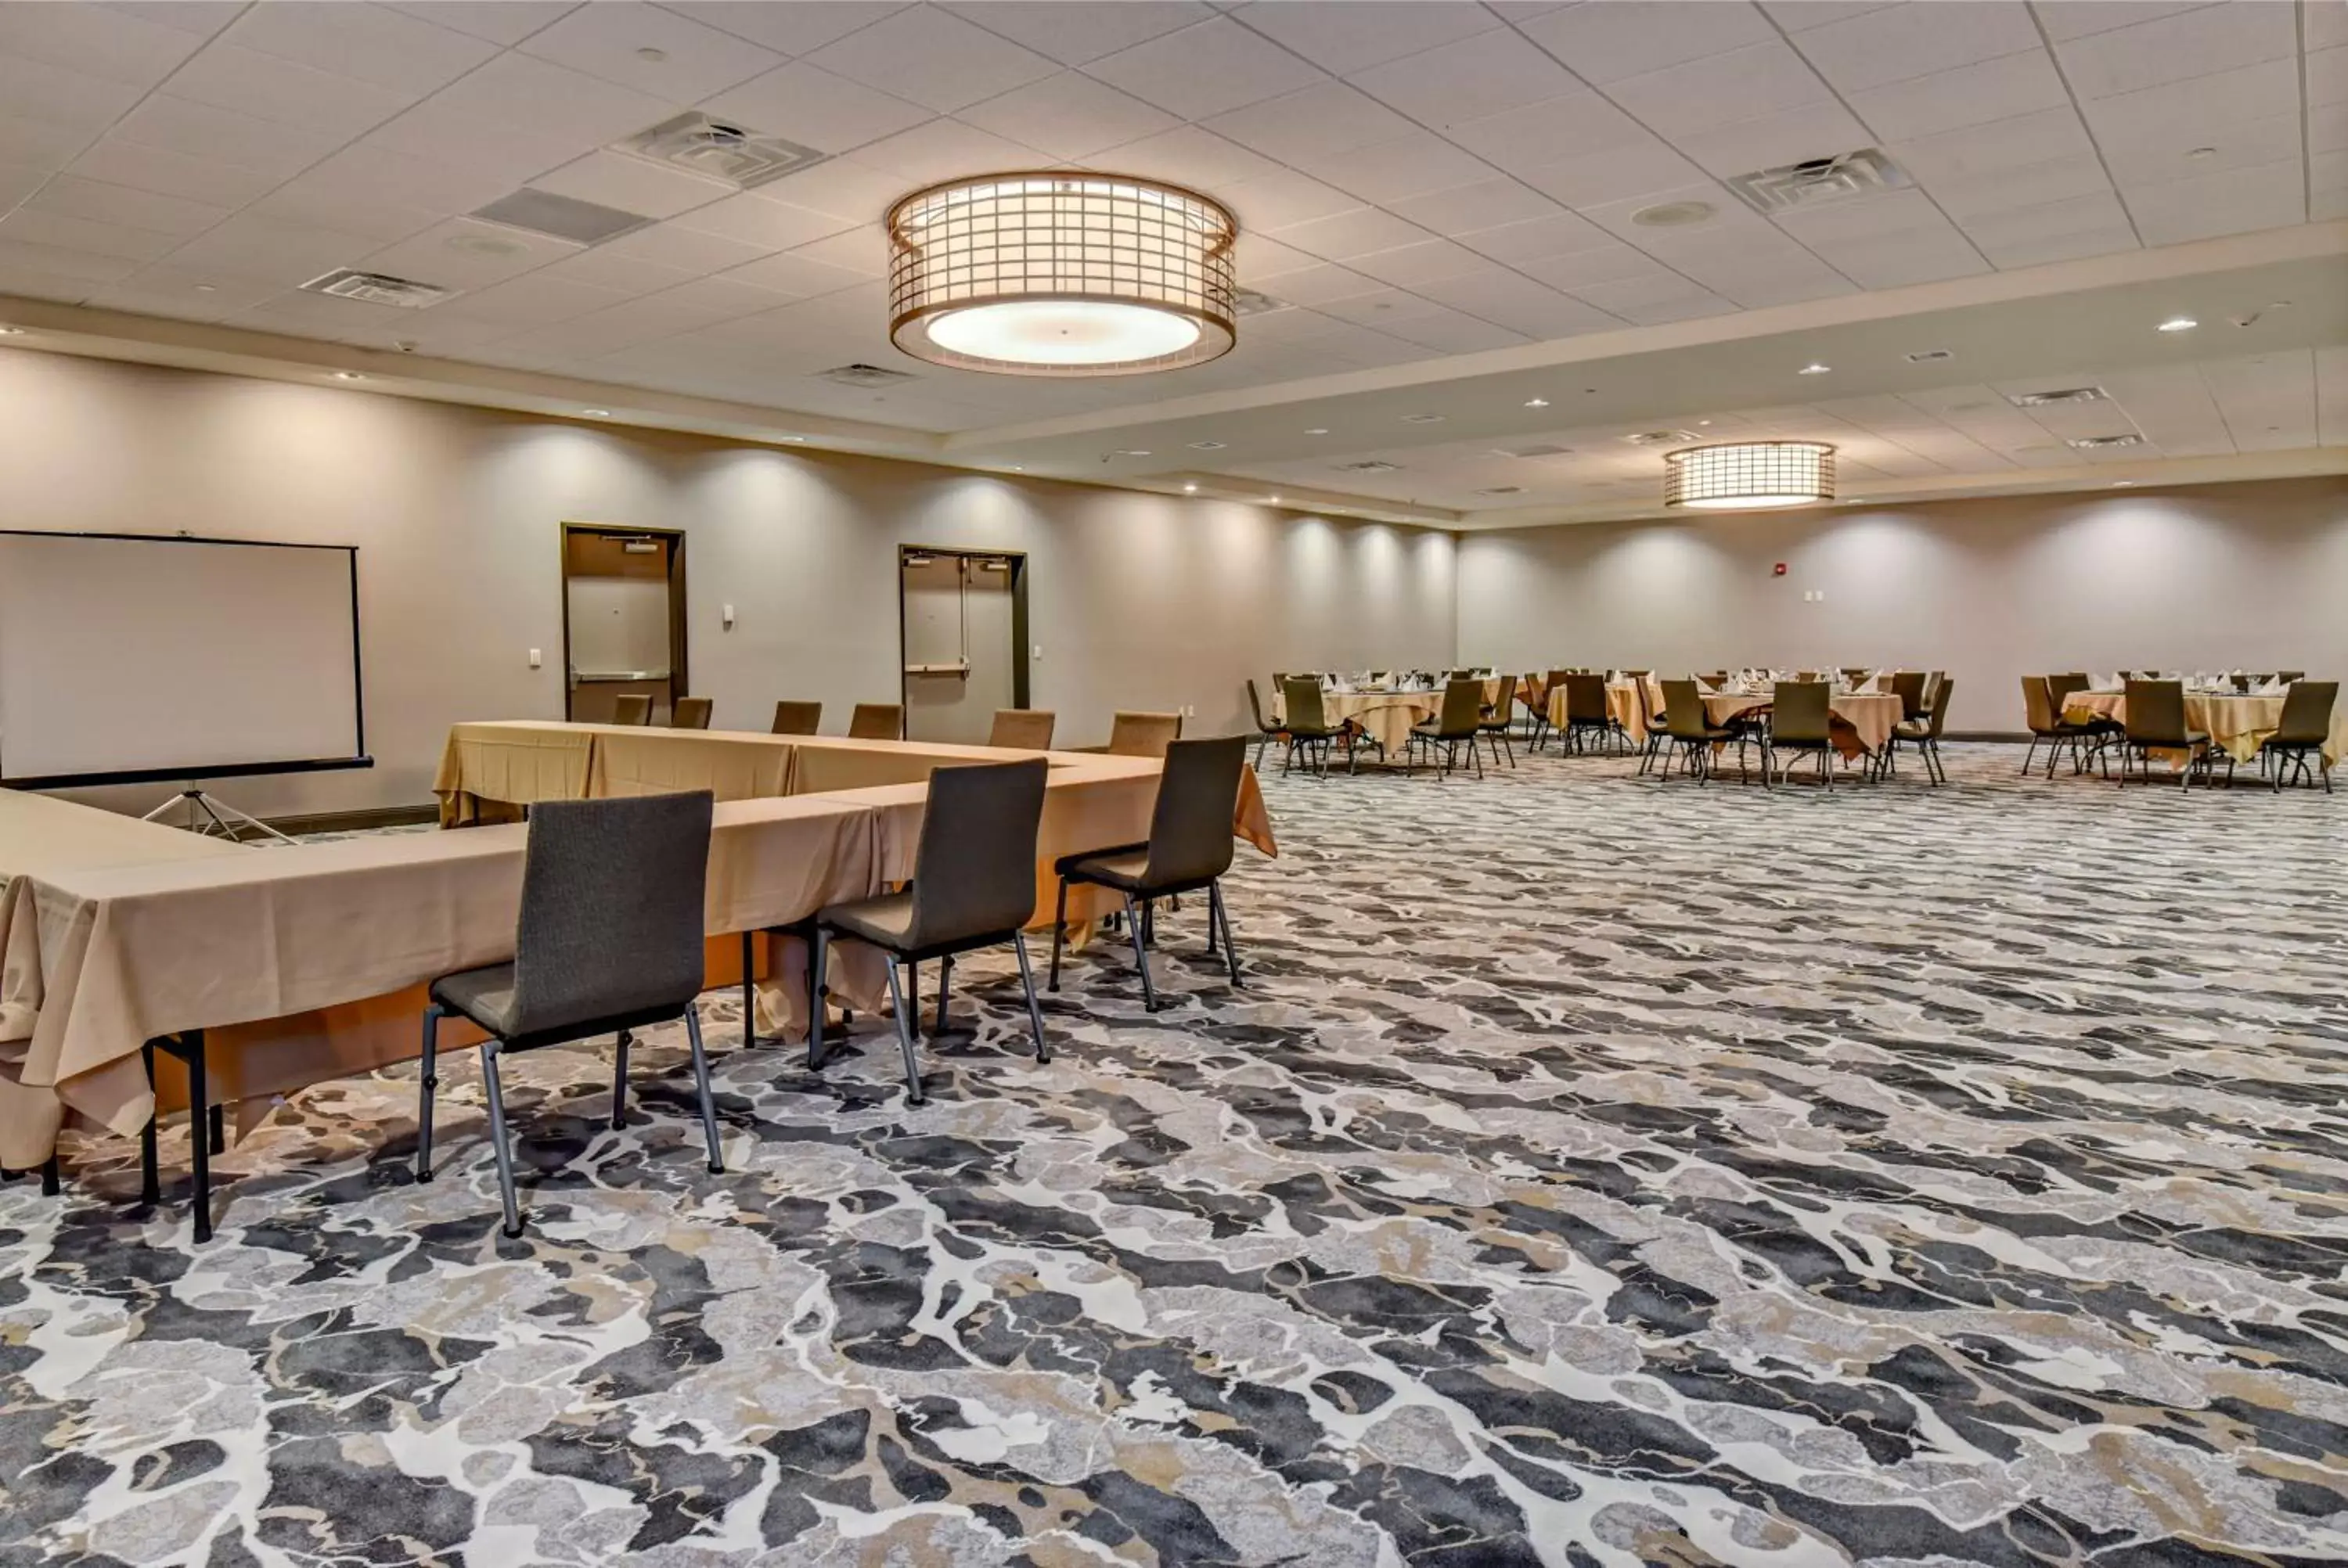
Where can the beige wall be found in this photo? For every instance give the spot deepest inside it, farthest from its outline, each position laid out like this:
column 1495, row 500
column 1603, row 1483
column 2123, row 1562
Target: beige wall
column 2211, row 577
column 1139, row 601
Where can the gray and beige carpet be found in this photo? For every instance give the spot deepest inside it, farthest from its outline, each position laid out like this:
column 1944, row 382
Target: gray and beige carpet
column 1594, row 1171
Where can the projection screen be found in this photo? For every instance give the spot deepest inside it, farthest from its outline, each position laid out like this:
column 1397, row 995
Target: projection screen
column 131, row 658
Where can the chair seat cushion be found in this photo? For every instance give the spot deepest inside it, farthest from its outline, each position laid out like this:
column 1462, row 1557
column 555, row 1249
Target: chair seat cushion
column 1913, row 729
column 1123, row 870
column 485, row 995
column 885, row 921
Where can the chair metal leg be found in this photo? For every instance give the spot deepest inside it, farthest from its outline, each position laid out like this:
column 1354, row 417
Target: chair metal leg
column 1059, row 931
column 2029, row 756
column 199, row 1145
column 701, row 1087
column 217, row 1128
column 1027, row 984
column 945, row 982
column 426, row 1085
column 905, row 1037
column 820, row 995
column 1218, row 915
column 150, row 1181
column 620, row 1081
column 53, row 1173
column 749, row 992
column 1140, row 958
column 499, row 1144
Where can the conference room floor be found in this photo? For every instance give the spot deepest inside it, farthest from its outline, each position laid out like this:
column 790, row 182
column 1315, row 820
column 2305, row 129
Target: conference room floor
column 1595, row 1171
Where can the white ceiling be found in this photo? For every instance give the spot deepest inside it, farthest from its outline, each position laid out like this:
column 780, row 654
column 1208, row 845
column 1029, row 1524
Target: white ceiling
column 1415, row 180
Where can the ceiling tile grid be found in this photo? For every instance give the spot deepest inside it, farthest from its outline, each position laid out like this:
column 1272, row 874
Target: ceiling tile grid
column 1415, row 179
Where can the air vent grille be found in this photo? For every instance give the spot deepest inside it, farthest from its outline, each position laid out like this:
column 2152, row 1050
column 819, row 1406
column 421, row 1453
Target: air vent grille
column 1539, row 449
column 2103, row 443
column 720, row 149
column 1930, row 356
column 376, row 289
column 562, row 216
column 1371, row 465
column 1208, row 445
column 1249, row 302
column 2058, row 396
column 1817, row 182
column 1660, row 438
column 1424, row 419
column 1503, row 490
column 865, row 375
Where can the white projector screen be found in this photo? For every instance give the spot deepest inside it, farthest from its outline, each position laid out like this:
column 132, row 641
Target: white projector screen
column 128, row 658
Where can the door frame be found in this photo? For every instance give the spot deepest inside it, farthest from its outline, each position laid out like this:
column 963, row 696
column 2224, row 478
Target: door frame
column 1018, row 567
column 678, row 683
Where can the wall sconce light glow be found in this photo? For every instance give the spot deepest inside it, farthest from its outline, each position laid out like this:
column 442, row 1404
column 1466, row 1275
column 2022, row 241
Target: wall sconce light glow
column 2178, row 325
column 1061, row 274
column 1749, row 475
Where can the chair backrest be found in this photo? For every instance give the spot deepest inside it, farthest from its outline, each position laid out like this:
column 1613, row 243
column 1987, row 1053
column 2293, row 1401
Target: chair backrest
column 1299, row 699
column 611, row 908
column 1585, row 698
column 1143, row 734
column 632, row 708
column 1798, row 712
column 1684, row 712
column 1029, row 729
column 2038, row 709
column 1498, row 709
column 877, row 721
column 1637, row 674
column 1198, row 795
column 2307, row 713
column 1718, row 677
column 2291, row 677
column 1463, row 708
column 1907, row 685
column 2156, row 713
column 690, row 713
column 1853, row 676
column 797, row 718
column 2061, row 689
column 974, row 870
column 1940, row 694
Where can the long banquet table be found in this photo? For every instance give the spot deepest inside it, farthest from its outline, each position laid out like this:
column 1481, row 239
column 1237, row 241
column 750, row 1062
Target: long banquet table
column 307, row 963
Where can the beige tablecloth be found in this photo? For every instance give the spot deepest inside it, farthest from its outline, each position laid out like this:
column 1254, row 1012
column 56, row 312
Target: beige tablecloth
column 1384, row 717
column 1862, row 721
column 1622, row 706
column 2235, row 725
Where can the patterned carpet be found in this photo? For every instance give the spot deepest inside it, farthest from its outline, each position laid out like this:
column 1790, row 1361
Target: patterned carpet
column 1595, row 1172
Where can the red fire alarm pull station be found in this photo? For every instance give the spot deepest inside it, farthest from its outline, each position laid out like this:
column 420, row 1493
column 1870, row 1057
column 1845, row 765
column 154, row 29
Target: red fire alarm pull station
column 1777, row 570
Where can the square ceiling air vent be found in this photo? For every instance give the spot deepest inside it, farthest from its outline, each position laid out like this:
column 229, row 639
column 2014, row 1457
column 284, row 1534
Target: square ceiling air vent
column 1503, row 490
column 1371, row 465
column 2057, row 398
column 1660, row 438
column 1208, row 445
column 1249, row 302
column 1817, row 181
column 376, row 289
column 560, row 216
column 864, row 376
column 1539, row 449
column 2102, row 443
column 720, row 149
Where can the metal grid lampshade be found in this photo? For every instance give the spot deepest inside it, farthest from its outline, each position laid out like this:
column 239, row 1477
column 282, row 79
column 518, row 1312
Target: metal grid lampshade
column 1743, row 475
column 1061, row 274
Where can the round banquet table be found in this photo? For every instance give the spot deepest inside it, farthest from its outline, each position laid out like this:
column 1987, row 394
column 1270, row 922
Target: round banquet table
column 1863, row 721
column 1384, row 717
column 2236, row 722
column 1623, row 706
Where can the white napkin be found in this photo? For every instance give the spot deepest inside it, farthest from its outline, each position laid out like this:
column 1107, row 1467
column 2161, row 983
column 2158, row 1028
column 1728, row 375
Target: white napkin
column 2271, row 689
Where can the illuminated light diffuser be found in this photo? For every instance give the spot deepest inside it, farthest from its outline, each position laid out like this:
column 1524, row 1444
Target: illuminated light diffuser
column 1742, row 476
column 1061, row 274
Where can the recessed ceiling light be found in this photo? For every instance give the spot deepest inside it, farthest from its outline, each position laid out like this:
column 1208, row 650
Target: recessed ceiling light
column 1017, row 469
column 348, row 376
column 655, row 55
column 1815, row 369
column 1130, row 452
column 2123, row 484
column 1930, row 356
column 1423, row 418
column 794, row 437
column 1671, row 214
column 1208, row 445
column 1275, row 500
column 207, row 289
column 12, row 332
column 1318, row 430
column 1190, row 489
column 596, row 413
column 1536, row 403
column 1702, row 423
column 2178, row 325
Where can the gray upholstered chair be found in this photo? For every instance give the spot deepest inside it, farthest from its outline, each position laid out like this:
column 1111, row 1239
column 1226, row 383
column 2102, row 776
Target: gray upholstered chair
column 1026, row 729
column 2155, row 722
column 797, row 718
column 690, row 713
column 974, row 886
column 1190, row 847
column 1907, row 685
column 1265, row 733
column 1305, row 719
column 610, row 939
column 1458, row 721
column 1143, row 734
column 877, row 721
column 2303, row 730
column 1585, row 710
column 632, row 708
column 1800, row 719
column 1686, row 724
column 1499, row 720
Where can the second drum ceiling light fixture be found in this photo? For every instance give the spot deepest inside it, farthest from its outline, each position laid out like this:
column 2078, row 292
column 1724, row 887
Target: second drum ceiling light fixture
column 1061, row 274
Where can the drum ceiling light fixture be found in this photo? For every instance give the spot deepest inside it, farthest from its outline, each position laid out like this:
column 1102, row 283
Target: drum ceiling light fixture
column 1061, row 274
column 1747, row 476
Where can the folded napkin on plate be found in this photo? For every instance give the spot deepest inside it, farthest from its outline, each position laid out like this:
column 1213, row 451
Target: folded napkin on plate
column 2272, row 689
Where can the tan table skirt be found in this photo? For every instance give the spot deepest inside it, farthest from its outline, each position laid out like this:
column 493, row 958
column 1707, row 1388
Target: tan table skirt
column 1384, row 717
column 1862, row 721
column 1622, row 706
column 2237, row 725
